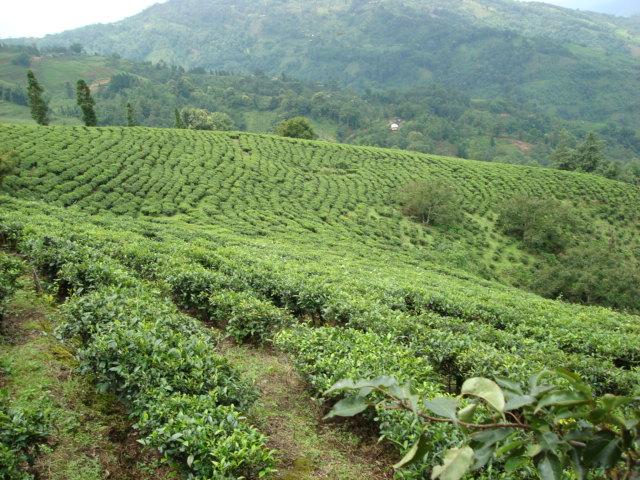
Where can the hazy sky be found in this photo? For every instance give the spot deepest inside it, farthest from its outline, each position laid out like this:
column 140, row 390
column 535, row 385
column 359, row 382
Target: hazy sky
column 35, row 18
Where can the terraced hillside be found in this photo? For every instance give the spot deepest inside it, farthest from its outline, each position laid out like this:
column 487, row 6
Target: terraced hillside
column 300, row 244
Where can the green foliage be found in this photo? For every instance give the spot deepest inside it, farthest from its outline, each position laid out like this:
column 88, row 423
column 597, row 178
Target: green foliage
column 200, row 119
column 433, row 202
column 39, row 107
column 131, row 116
column 10, row 270
column 86, row 103
column 247, row 318
column 554, row 422
column 542, row 224
column 8, row 163
column 596, row 273
column 22, row 59
column 298, row 127
column 21, row 434
column 273, row 238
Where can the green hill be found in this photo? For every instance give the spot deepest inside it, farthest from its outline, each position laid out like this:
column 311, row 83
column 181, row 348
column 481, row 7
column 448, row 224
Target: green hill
column 434, row 119
column 302, row 242
column 579, row 65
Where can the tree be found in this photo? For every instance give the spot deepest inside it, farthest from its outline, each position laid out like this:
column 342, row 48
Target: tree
column 86, row 104
column 297, row 127
column 131, row 116
column 432, row 202
column 76, row 48
column 22, row 59
column 39, row 107
column 201, row 119
column 178, row 123
column 564, row 155
column 589, row 155
column 594, row 273
column 542, row 224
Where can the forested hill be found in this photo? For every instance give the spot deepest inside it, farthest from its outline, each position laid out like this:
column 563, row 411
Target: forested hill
column 578, row 64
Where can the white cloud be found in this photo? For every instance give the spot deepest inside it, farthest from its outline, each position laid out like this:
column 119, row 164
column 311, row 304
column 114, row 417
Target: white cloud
column 36, row 18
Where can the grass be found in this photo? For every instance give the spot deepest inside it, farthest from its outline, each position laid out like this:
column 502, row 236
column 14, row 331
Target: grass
column 92, row 437
column 309, row 448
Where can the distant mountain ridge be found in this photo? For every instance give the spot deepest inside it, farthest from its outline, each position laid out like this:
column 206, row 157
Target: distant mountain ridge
column 578, row 64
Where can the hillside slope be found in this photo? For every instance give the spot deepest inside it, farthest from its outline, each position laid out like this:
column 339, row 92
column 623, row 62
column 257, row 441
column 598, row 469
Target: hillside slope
column 555, row 57
column 301, row 244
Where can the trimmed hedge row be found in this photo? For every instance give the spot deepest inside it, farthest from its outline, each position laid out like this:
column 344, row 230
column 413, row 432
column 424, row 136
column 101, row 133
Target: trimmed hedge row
column 141, row 348
column 325, row 355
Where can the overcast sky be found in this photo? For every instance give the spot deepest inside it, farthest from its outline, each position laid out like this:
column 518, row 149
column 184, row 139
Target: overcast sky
column 36, row 18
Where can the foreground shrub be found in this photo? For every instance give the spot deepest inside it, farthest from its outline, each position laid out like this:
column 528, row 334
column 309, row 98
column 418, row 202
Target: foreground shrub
column 10, row 269
column 213, row 440
column 552, row 423
column 247, row 318
column 432, row 202
column 21, row 434
column 164, row 365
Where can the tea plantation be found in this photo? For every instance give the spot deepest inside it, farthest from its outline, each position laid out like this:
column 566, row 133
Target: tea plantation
column 161, row 243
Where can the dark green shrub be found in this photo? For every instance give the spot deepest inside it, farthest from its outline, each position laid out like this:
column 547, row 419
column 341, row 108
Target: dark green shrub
column 21, row 434
column 212, row 440
column 247, row 317
column 297, row 127
column 597, row 273
column 432, row 202
column 542, row 224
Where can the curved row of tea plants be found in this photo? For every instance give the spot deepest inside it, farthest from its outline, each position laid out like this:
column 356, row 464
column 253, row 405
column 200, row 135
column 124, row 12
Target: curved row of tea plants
column 265, row 186
column 187, row 399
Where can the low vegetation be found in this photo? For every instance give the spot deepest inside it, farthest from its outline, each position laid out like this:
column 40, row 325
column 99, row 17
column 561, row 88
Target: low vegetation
column 148, row 237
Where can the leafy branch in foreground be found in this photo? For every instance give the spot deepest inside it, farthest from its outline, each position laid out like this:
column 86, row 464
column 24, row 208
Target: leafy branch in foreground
column 553, row 422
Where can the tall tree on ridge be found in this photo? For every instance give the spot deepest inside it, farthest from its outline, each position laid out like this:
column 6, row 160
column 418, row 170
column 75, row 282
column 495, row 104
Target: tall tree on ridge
column 131, row 116
column 86, row 104
column 589, row 156
column 39, row 107
column 179, row 123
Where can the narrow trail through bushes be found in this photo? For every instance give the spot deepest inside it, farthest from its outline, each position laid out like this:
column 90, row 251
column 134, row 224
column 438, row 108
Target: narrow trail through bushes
column 308, row 448
column 91, row 435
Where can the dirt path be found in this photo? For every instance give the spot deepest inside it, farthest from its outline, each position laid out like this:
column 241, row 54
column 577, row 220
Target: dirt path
column 91, row 436
column 308, row 447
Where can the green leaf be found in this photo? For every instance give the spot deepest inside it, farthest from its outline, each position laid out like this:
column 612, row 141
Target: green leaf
column 190, row 460
column 456, row 463
column 562, row 398
column 515, row 463
column 518, row 402
column 575, row 381
column 578, row 466
column 491, row 436
column 483, row 455
column 443, row 406
column 345, row 384
column 348, row 407
column 510, row 386
column 549, row 467
column 415, row 453
column 486, row 389
column 603, row 451
column 466, row 414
